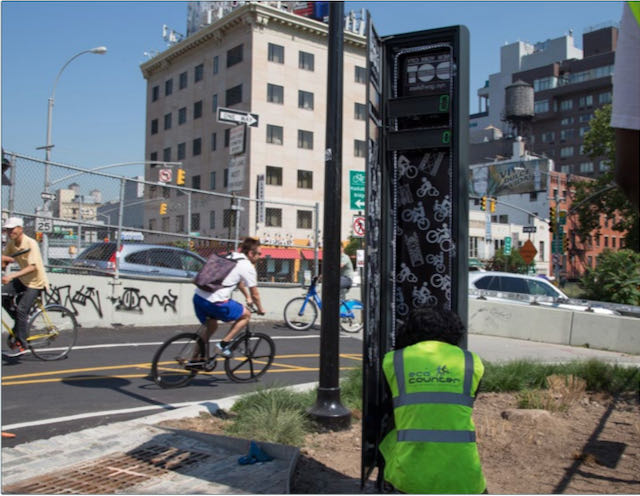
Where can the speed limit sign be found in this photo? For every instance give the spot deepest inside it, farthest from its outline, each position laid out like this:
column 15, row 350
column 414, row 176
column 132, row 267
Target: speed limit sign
column 44, row 225
column 358, row 226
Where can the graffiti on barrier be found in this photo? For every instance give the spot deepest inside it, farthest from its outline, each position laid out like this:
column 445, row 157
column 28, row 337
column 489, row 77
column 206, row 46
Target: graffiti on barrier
column 131, row 300
column 85, row 296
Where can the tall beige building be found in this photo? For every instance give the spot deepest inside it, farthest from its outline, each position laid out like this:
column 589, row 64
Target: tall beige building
column 272, row 63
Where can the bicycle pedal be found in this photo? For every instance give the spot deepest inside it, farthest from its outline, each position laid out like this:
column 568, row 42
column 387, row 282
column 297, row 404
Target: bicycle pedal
column 210, row 365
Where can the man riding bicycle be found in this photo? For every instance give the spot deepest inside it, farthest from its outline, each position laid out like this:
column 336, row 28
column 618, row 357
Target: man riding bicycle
column 29, row 281
column 218, row 305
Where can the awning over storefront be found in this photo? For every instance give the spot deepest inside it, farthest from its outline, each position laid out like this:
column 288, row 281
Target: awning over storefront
column 308, row 254
column 280, row 253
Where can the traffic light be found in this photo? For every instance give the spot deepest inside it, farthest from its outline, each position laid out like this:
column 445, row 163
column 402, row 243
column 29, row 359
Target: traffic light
column 565, row 244
column 163, row 209
column 552, row 218
column 180, row 177
column 483, row 203
column 492, row 205
column 38, row 236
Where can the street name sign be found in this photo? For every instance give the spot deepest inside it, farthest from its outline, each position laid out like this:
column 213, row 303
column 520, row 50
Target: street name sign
column 529, row 229
column 230, row 116
column 48, row 196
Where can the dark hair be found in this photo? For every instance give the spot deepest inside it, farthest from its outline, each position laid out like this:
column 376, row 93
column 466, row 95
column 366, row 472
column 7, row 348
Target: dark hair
column 430, row 323
column 249, row 244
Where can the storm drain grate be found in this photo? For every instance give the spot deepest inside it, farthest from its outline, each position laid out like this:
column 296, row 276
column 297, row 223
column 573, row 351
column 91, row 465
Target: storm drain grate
column 111, row 474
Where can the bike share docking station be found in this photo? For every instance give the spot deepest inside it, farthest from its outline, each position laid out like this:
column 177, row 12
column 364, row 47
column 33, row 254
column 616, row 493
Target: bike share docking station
column 417, row 196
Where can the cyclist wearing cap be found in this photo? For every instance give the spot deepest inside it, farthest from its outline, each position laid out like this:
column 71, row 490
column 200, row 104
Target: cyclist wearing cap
column 29, row 281
column 211, row 307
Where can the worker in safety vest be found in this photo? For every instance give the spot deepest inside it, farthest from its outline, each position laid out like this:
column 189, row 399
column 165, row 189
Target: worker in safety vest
column 433, row 382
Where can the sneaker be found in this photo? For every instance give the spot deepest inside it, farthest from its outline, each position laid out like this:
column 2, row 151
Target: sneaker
column 225, row 352
column 18, row 350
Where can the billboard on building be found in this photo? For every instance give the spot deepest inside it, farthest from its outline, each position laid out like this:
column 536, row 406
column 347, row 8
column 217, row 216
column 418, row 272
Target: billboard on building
column 509, row 177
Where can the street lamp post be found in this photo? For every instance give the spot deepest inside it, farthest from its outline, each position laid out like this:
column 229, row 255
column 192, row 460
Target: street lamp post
column 101, row 50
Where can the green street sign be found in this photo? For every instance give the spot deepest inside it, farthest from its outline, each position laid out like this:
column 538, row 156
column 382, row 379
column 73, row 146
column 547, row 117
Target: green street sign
column 507, row 245
column 357, row 189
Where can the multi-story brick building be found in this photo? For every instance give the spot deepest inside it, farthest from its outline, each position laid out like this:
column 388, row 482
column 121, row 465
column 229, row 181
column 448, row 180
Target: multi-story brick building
column 270, row 62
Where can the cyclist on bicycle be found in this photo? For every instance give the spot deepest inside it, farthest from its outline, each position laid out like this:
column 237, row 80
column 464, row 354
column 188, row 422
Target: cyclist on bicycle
column 29, row 281
column 219, row 305
column 346, row 273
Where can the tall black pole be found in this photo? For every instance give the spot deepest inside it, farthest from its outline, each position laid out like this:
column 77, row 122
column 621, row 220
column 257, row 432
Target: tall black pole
column 327, row 409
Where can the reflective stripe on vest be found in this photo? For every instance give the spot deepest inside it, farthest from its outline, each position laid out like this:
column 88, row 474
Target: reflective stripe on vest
column 404, row 399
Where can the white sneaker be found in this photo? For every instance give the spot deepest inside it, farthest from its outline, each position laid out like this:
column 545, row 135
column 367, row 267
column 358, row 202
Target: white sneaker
column 225, row 352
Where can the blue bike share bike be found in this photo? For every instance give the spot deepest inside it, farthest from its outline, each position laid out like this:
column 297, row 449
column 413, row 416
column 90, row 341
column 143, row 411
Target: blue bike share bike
column 302, row 311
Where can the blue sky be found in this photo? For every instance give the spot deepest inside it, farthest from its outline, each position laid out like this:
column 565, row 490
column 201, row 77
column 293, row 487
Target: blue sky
column 100, row 100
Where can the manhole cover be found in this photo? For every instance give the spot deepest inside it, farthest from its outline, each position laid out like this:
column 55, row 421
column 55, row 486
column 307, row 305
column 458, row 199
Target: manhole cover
column 110, row 474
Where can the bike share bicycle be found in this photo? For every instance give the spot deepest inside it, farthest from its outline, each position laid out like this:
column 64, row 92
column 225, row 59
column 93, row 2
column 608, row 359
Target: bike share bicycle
column 181, row 357
column 301, row 312
column 52, row 329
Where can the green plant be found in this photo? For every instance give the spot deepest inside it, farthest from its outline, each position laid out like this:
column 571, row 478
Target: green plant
column 508, row 263
column 616, row 278
column 351, row 389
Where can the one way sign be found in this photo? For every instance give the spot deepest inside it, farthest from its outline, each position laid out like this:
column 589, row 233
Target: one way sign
column 230, row 116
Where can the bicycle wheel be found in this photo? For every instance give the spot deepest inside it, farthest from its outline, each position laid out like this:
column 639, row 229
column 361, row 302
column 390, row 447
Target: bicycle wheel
column 168, row 365
column 300, row 314
column 352, row 323
column 52, row 332
column 253, row 354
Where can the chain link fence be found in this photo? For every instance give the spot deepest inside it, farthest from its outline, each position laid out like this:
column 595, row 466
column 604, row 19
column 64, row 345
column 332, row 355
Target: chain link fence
column 69, row 209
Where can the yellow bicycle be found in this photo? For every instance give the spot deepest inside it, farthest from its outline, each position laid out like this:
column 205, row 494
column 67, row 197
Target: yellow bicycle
column 52, row 331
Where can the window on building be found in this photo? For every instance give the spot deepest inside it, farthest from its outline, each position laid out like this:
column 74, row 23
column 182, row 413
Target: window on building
column 154, row 126
column 182, row 115
column 541, row 250
column 229, row 218
column 153, row 156
column 195, row 221
column 182, row 151
column 566, row 168
column 155, row 93
column 567, row 121
column 165, row 224
column 473, row 246
column 168, row 87
column 195, row 182
column 604, row 97
column 305, row 139
column 166, row 154
column 360, row 75
column 167, row 121
column 182, row 80
column 305, row 100
column 152, row 224
column 274, row 176
column 273, row 217
column 198, row 73
column 214, row 103
column 276, row 53
column 197, row 146
column 197, row 109
column 274, row 134
column 215, row 65
column 548, row 137
column 606, row 241
column 214, row 144
column 566, row 104
column 541, row 106
column 566, row 151
column 586, row 167
column 585, row 117
column 212, row 180
column 533, row 196
column 305, row 61
column 360, row 111
column 583, row 130
column 604, row 166
column 275, row 93
column 304, row 219
column 227, row 136
column 613, row 241
column 225, row 177
column 233, row 95
column 566, row 134
column 305, row 179
column 234, row 56
column 359, row 148
column 585, row 101
column 212, row 219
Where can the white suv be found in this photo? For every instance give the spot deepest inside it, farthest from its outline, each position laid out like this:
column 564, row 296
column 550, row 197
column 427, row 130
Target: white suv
column 526, row 289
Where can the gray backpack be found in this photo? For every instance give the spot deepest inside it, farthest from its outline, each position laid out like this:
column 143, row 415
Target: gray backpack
column 215, row 269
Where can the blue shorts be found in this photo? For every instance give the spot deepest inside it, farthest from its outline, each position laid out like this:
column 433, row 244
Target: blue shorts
column 226, row 311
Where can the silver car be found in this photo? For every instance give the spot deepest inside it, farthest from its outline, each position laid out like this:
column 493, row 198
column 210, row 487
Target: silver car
column 140, row 259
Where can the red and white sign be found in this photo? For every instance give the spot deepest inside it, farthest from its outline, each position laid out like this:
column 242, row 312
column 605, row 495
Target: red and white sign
column 358, row 226
column 165, row 175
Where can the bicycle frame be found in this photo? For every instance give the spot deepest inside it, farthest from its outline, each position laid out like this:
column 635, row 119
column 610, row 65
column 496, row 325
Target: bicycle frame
column 38, row 303
column 348, row 305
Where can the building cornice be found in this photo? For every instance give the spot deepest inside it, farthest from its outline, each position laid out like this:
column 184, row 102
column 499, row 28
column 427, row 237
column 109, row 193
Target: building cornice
column 254, row 15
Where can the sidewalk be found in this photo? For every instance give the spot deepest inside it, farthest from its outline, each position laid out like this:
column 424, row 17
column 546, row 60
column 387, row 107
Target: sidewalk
column 139, row 457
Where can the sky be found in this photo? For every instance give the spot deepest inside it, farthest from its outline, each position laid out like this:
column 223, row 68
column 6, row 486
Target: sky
column 99, row 113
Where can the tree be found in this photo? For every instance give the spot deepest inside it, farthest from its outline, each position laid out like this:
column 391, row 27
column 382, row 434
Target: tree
column 508, row 263
column 603, row 196
column 616, row 278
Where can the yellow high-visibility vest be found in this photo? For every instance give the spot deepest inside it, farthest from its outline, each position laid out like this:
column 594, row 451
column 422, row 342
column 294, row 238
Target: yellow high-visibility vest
column 432, row 448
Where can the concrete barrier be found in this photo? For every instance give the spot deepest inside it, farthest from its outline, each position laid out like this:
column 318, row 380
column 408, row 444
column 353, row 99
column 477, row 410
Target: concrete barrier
column 103, row 302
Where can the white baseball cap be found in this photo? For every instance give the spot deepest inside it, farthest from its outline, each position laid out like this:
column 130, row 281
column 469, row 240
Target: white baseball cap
column 13, row 222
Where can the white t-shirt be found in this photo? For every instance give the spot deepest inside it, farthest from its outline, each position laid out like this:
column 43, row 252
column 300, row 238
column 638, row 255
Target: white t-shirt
column 626, row 77
column 243, row 271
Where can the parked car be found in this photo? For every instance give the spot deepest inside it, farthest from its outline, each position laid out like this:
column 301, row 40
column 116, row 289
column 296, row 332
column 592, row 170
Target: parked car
column 526, row 289
column 140, row 259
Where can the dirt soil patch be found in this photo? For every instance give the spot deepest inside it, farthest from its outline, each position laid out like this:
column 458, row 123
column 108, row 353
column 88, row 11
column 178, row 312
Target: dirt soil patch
column 588, row 445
